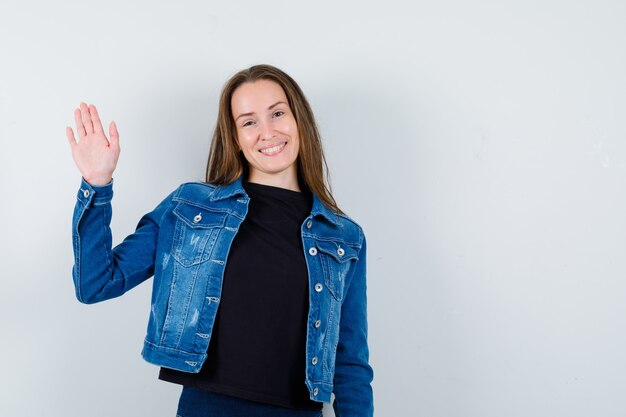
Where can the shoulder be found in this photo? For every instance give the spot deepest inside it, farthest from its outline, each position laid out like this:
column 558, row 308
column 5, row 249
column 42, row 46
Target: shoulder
column 197, row 186
column 193, row 191
column 352, row 227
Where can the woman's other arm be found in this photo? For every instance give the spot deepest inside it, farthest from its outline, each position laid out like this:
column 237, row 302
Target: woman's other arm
column 353, row 374
column 101, row 272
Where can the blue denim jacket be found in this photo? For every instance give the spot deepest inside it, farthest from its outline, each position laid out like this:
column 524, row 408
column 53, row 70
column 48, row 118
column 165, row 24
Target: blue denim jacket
column 184, row 243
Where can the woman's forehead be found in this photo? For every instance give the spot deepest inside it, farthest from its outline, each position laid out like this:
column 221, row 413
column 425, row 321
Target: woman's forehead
column 257, row 95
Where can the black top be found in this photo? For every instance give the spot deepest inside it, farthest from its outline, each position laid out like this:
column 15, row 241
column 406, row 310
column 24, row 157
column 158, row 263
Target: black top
column 258, row 344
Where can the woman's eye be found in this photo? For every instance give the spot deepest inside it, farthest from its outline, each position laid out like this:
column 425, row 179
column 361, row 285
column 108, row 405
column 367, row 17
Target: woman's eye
column 248, row 123
column 279, row 113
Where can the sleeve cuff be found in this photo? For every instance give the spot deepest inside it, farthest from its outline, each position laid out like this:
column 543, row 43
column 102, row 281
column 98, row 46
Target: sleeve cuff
column 95, row 195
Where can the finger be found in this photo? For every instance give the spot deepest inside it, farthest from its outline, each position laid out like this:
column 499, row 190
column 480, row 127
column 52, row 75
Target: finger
column 95, row 118
column 70, row 136
column 114, row 135
column 80, row 128
column 84, row 112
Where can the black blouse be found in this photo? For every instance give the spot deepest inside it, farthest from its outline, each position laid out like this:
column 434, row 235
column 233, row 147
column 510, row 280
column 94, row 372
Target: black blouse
column 257, row 349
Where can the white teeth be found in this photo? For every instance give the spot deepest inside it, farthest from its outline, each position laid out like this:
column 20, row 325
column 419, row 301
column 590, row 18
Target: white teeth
column 274, row 148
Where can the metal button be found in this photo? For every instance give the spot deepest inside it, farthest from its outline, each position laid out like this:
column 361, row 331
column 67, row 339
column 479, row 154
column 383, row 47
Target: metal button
column 312, row 251
column 318, row 323
column 340, row 252
column 86, row 193
column 314, row 360
column 309, row 224
column 318, row 287
column 197, row 218
column 315, row 391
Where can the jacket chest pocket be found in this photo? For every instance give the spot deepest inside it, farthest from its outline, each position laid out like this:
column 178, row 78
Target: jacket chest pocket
column 197, row 229
column 336, row 259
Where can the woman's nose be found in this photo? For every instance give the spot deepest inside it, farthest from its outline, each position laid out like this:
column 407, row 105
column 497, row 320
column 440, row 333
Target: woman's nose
column 266, row 130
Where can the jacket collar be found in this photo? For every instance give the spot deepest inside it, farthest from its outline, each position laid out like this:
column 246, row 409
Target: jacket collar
column 222, row 192
column 318, row 208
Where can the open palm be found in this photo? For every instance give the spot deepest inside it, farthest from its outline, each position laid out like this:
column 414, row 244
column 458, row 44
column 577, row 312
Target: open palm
column 95, row 155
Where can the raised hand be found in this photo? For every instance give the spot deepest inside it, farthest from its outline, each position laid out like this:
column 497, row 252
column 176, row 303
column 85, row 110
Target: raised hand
column 95, row 155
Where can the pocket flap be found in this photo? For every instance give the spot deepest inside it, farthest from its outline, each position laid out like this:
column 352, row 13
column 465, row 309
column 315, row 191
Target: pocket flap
column 199, row 217
column 338, row 250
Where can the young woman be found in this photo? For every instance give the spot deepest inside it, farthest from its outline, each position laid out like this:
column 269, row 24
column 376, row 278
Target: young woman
column 259, row 293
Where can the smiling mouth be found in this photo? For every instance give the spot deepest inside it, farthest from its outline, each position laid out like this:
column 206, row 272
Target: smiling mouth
column 273, row 150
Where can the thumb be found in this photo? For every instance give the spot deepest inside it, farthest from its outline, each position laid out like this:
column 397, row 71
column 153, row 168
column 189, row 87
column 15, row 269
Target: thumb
column 114, row 135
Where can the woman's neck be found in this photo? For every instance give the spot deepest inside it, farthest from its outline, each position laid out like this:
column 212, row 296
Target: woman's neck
column 282, row 180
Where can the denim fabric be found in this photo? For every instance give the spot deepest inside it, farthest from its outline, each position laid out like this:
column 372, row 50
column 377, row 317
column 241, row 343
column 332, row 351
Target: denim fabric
column 184, row 243
column 200, row 403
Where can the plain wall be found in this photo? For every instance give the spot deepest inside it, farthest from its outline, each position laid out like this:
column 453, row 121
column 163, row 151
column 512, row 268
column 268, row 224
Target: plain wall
column 481, row 145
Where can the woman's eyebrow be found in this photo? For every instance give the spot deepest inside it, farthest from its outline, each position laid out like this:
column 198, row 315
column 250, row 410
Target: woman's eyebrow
column 275, row 104
column 269, row 108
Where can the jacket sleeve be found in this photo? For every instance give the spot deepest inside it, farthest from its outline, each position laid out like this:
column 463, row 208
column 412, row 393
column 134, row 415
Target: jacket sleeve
column 101, row 272
column 353, row 374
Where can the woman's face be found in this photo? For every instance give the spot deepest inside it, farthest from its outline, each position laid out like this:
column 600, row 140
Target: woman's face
column 267, row 133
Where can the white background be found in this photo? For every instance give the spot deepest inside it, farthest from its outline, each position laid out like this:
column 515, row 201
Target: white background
column 481, row 145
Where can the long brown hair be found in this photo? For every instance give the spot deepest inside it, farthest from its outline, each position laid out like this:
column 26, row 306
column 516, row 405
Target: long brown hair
column 226, row 163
